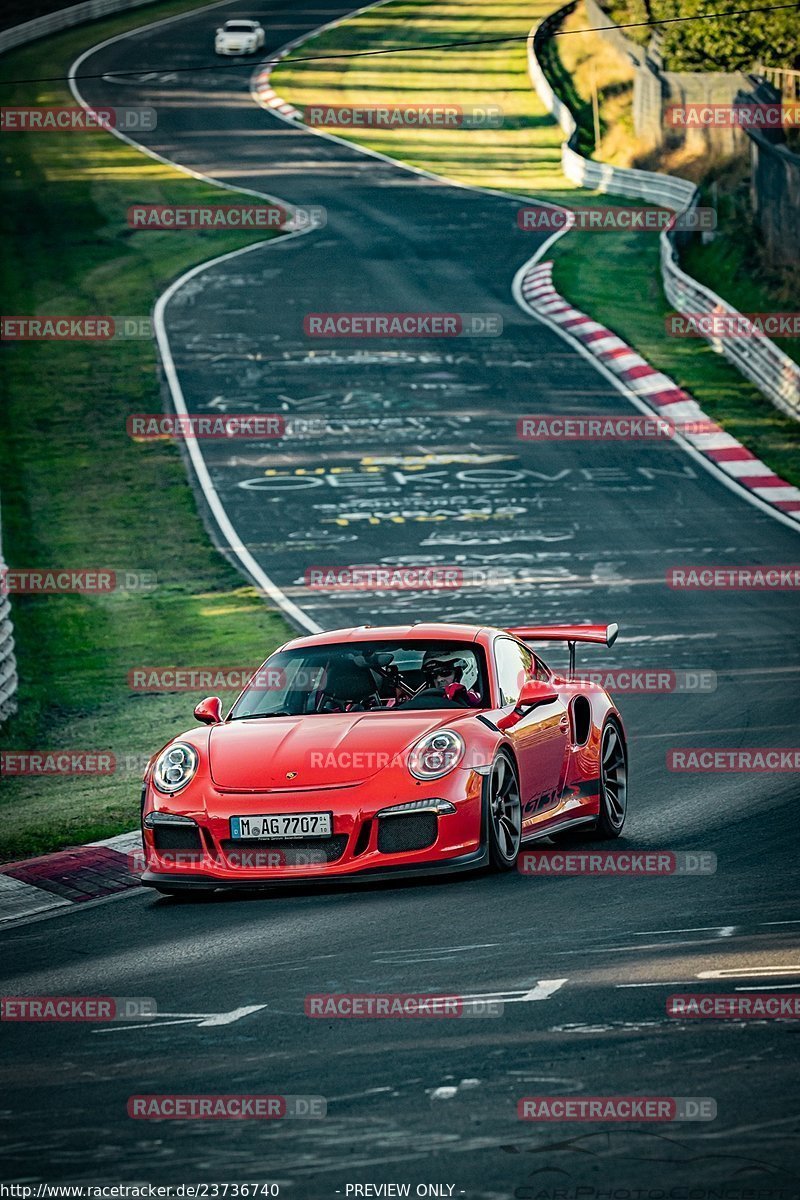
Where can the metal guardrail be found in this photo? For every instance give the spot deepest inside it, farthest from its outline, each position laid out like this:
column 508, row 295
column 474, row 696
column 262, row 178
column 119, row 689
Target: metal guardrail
column 8, row 663
column 65, row 18
column 668, row 190
column 757, row 358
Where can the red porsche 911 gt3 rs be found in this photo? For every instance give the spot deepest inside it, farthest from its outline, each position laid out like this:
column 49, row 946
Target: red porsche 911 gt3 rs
column 382, row 752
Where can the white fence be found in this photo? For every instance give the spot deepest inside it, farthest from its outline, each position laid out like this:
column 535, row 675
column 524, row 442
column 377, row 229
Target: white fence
column 64, row 18
column 758, row 358
column 8, row 663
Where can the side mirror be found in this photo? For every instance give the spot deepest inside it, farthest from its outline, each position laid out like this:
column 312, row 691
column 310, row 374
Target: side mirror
column 534, row 692
column 209, row 711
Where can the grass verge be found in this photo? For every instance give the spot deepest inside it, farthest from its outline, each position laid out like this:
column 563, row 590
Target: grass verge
column 76, row 491
column 614, row 276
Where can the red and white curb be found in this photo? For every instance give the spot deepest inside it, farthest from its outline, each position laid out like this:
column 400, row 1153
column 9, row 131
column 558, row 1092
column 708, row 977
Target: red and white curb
column 53, row 881
column 260, row 87
column 650, row 389
column 266, row 94
column 658, row 392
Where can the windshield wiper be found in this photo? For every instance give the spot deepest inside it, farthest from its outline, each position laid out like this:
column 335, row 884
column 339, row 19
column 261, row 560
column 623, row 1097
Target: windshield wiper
column 262, row 716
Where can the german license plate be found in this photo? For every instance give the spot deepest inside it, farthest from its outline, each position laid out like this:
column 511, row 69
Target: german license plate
column 283, row 825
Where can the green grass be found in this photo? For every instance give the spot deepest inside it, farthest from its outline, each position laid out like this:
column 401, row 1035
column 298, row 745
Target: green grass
column 735, row 266
column 613, row 276
column 636, row 310
column 523, row 155
column 76, row 491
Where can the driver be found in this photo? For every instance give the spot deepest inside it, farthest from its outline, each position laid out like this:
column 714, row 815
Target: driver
column 443, row 670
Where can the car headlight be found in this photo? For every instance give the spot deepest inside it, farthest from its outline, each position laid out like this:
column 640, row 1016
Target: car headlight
column 435, row 754
column 175, row 767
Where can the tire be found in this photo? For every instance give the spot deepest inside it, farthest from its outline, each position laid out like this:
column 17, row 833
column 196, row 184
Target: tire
column 613, row 782
column 504, row 814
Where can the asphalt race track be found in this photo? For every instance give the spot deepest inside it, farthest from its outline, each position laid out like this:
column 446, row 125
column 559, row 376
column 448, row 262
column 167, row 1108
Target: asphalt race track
column 415, row 460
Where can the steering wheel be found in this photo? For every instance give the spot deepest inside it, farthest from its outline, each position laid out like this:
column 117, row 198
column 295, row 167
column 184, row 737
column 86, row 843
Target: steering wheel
column 430, row 697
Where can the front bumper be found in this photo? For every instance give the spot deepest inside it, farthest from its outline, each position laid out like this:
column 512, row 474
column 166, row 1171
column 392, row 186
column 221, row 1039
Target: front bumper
column 203, row 883
column 365, row 844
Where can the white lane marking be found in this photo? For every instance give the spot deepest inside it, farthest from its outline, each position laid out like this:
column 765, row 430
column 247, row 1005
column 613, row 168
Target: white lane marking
column 542, row 990
column 667, row 1022
column 714, row 729
column 141, row 1025
column 768, row 987
column 228, row 1018
column 645, row 946
column 727, row 931
column 202, row 1020
column 746, row 972
column 441, row 949
column 251, row 567
column 727, row 973
column 720, row 929
column 406, row 958
column 657, row 983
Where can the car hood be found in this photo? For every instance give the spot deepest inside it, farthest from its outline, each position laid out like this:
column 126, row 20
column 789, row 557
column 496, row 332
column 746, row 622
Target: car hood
column 310, row 752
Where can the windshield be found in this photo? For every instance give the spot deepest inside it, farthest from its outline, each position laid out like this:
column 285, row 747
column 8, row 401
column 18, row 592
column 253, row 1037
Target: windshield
column 238, row 27
column 374, row 676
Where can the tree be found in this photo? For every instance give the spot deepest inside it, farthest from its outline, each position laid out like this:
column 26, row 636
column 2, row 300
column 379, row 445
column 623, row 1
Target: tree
column 719, row 43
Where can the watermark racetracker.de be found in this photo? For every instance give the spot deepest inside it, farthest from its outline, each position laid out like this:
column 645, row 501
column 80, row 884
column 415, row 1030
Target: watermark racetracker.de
column 62, row 328
column 402, row 324
column 617, row 862
column 658, row 1109
column 75, row 119
column 238, row 1107
column 76, row 1008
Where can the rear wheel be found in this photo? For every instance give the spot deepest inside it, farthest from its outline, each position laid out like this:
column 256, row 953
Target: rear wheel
column 613, row 782
column 505, row 814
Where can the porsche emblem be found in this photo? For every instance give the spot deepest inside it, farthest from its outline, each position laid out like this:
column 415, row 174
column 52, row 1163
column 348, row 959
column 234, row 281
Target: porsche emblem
column 291, row 774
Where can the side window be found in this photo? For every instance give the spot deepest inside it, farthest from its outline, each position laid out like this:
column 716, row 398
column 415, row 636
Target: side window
column 540, row 671
column 515, row 664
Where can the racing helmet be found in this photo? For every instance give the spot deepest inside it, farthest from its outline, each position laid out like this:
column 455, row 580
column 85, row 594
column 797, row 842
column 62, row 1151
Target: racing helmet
column 450, row 660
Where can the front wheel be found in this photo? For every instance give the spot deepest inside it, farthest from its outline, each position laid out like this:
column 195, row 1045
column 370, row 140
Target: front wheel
column 505, row 814
column 613, row 782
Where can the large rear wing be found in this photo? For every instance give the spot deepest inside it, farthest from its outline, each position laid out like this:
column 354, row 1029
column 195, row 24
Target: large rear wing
column 602, row 635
